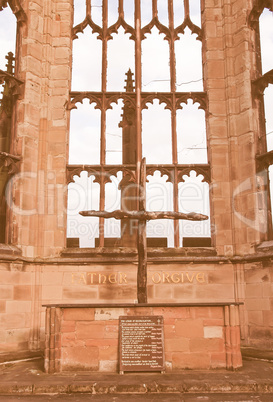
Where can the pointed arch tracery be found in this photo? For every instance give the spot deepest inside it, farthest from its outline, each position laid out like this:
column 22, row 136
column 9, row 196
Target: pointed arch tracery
column 263, row 80
column 16, row 8
column 135, row 97
column 11, row 89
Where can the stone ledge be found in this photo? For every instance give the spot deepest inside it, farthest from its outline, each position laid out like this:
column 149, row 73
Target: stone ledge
column 265, row 247
column 131, row 253
column 12, row 357
column 139, row 305
column 123, row 255
column 257, row 354
column 28, row 379
column 8, row 249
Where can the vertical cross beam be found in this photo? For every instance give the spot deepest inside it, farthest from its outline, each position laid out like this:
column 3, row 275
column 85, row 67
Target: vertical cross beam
column 142, row 240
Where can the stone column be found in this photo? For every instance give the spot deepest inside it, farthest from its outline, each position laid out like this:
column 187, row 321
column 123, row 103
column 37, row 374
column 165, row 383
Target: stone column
column 238, row 219
column 38, row 220
column 53, row 340
column 232, row 337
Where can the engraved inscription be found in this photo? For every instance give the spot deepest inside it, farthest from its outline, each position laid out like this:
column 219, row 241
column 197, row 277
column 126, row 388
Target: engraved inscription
column 95, row 278
column 177, row 277
column 141, row 343
column 155, row 278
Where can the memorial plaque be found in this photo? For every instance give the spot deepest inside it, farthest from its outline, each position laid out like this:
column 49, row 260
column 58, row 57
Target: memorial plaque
column 141, row 343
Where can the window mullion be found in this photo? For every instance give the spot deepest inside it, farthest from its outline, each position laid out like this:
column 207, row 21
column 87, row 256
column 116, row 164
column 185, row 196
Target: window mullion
column 173, row 117
column 138, row 82
column 103, row 117
column 175, row 207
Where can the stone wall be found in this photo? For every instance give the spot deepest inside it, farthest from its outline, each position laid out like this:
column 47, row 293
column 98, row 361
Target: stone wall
column 16, row 308
column 25, row 287
column 37, row 218
column 259, row 304
column 195, row 337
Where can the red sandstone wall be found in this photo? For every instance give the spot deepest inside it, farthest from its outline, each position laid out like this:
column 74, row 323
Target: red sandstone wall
column 195, row 338
column 16, row 308
column 42, row 132
column 25, row 287
column 259, row 304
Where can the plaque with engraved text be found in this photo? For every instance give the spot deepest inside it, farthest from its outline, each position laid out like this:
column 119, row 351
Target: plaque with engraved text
column 141, row 343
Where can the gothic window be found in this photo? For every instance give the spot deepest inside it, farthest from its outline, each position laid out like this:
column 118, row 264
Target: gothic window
column 9, row 90
column 261, row 18
column 137, row 91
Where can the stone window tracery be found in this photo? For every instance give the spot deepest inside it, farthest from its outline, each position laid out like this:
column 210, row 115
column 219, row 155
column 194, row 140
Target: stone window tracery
column 139, row 103
column 10, row 89
column 260, row 19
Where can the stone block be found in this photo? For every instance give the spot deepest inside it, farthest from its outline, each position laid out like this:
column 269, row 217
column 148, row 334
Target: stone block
column 111, row 331
column 2, row 306
column 118, row 293
column 110, row 366
column 225, row 275
column 108, row 353
column 218, row 322
column 19, row 306
column 213, row 332
column 257, row 304
column 201, row 312
column 267, row 290
column 6, row 292
column 216, row 292
column 217, row 68
column 80, row 357
column 184, row 293
column 78, row 314
column 190, row 361
column 69, row 340
column 104, row 314
column 101, row 342
column 18, row 336
column 16, row 278
column 207, row 345
column 89, row 330
column 217, row 312
column 169, row 331
column 12, row 321
column 68, row 326
column 210, row 29
column 52, row 278
column 176, row 345
column 189, row 328
column 255, row 274
column 3, row 335
column 267, row 318
column 217, row 108
column 52, row 293
column 255, row 317
column 22, row 292
column 139, row 311
column 77, row 293
column 218, row 360
column 163, row 293
column 171, row 313
column 60, row 72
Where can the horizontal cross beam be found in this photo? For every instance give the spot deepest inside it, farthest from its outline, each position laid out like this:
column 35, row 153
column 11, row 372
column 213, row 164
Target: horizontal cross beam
column 146, row 215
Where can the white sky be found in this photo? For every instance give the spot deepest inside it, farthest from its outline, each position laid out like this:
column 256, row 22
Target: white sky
column 85, row 121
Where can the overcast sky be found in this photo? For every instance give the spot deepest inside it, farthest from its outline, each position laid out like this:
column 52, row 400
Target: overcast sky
column 85, row 121
column 156, row 122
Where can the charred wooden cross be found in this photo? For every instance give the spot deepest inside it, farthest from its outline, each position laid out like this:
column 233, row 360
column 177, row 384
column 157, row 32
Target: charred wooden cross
column 143, row 216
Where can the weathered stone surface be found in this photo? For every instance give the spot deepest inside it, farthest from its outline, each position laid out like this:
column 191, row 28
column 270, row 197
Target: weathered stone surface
column 34, row 269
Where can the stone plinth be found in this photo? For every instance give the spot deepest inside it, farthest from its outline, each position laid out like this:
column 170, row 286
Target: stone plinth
column 197, row 336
